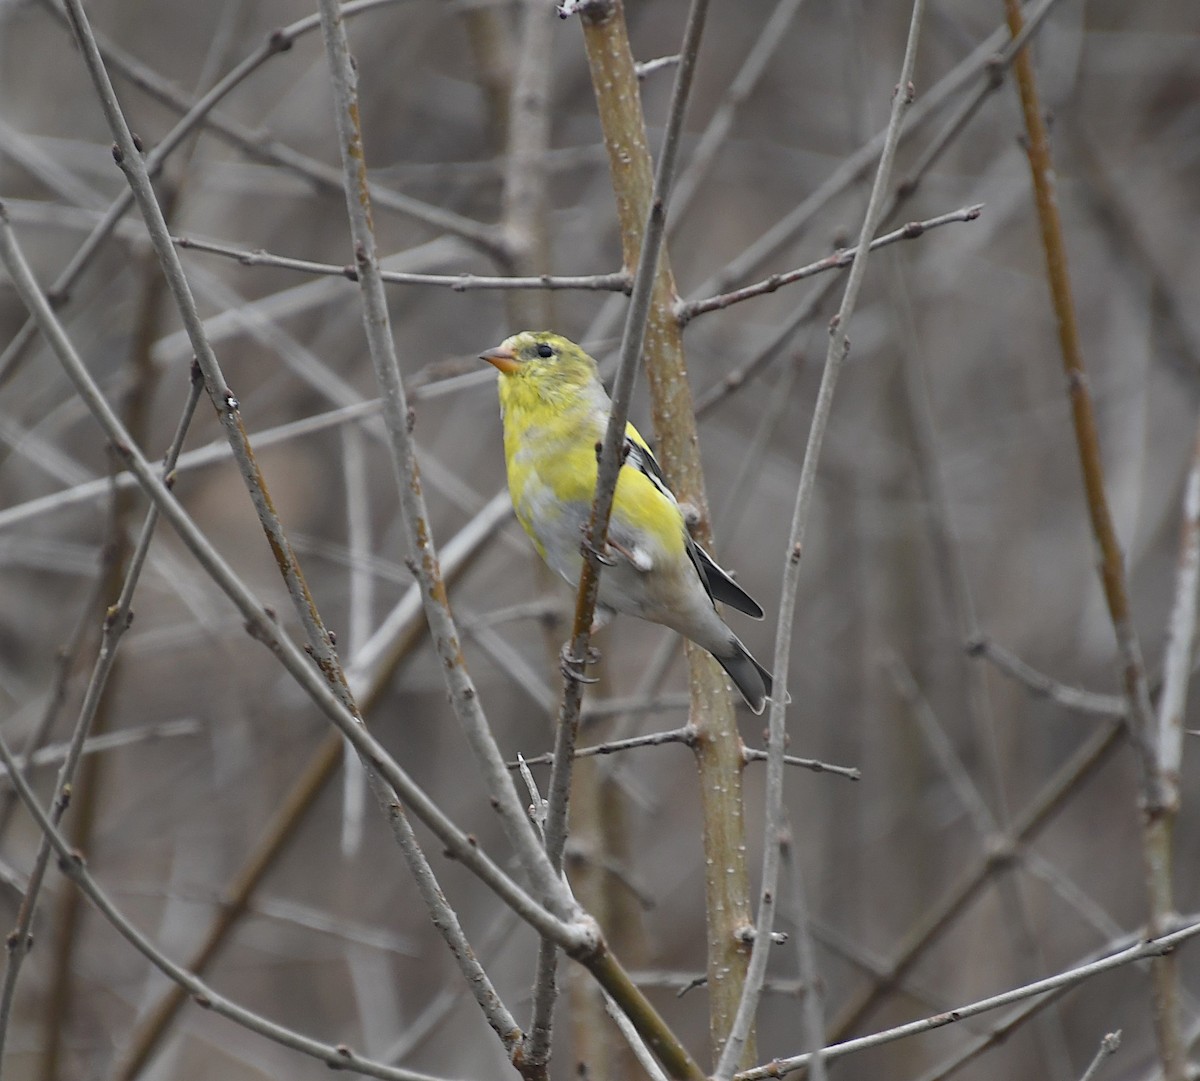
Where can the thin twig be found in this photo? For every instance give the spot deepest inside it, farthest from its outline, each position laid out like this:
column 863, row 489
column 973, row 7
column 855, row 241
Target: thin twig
column 1108, row 1047
column 368, row 673
column 129, row 157
column 618, row 282
column 719, row 763
column 813, row 1006
column 419, row 1028
column 1140, row 951
column 116, row 622
column 636, row 1045
column 72, row 864
column 56, row 695
column 851, row 168
column 1156, row 822
column 1181, row 635
column 1106, row 705
column 839, row 345
column 262, row 625
column 936, row 739
column 684, row 735
column 939, row 916
column 586, row 945
column 611, row 457
column 423, row 553
column 197, row 112
column 993, row 1037
column 851, row 773
column 840, row 259
column 770, row 38
column 110, row 741
column 991, row 58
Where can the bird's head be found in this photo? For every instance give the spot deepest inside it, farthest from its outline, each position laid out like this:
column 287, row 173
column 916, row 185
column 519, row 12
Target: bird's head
column 543, row 360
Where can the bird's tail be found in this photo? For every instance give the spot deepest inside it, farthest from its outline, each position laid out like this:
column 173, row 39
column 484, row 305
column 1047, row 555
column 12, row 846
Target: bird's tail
column 751, row 679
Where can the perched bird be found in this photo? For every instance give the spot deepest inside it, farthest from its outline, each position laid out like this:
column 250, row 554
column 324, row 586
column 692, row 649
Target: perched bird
column 555, row 412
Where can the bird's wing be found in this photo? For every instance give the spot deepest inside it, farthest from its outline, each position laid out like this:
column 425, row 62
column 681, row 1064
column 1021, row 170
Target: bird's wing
column 640, row 457
column 724, row 588
column 717, row 582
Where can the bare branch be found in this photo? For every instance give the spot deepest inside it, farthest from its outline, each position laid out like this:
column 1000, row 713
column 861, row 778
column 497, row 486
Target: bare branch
column 1157, row 836
column 840, row 259
column 618, row 282
column 1181, row 636
column 73, row 865
column 1106, row 705
column 425, row 566
column 1140, row 951
column 839, row 345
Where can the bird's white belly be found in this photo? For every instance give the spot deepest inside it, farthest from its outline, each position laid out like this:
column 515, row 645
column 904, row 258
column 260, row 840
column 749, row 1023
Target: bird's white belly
column 558, row 528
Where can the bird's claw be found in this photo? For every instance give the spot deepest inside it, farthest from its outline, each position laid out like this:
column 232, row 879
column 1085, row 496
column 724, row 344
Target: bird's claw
column 589, row 549
column 571, row 666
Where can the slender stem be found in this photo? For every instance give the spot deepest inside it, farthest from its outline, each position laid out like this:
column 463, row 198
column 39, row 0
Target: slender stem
column 1142, row 949
column 201, row 111
column 947, row 88
column 1038, row 683
column 116, row 622
column 618, row 282
column 424, row 561
column 261, row 624
column 838, row 260
column 813, row 1005
column 941, row 915
column 129, row 158
column 770, row 37
column 1157, row 844
column 1181, row 636
column 611, row 456
column 73, row 865
column 368, row 673
column 839, row 345
column 718, row 748
column 1109, row 1046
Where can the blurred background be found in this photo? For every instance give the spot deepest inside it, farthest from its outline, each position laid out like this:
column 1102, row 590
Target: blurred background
column 949, row 506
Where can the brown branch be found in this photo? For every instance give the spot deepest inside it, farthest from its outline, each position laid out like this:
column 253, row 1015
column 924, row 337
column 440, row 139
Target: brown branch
column 718, row 746
column 1157, row 837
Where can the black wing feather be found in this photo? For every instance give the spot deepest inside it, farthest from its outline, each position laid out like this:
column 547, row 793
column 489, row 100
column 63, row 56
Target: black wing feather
column 724, row 588
column 716, row 581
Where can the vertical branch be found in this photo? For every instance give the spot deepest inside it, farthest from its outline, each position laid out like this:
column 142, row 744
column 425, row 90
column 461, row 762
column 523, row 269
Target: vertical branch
column 527, row 239
column 525, row 205
column 839, row 346
column 398, row 422
column 1181, row 637
column 492, row 52
column 718, row 746
column 1156, row 835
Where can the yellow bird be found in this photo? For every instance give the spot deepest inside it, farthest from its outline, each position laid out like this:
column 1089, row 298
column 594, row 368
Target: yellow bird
column 555, row 411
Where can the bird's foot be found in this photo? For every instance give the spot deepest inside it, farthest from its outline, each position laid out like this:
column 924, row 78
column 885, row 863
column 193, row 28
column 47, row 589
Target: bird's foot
column 572, row 666
column 637, row 556
column 589, row 549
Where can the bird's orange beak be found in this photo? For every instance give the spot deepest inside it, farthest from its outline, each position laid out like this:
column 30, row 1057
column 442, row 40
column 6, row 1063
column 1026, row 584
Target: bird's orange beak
column 502, row 359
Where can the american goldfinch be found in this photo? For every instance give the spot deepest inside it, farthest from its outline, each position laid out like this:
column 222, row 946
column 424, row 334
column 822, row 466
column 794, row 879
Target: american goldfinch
column 555, row 411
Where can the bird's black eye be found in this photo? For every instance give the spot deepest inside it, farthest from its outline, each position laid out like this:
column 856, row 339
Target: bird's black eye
column 544, row 351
